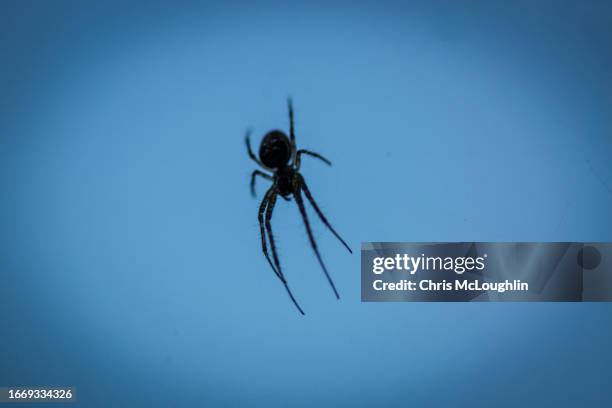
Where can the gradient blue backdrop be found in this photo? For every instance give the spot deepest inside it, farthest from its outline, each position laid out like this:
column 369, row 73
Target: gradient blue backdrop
column 130, row 261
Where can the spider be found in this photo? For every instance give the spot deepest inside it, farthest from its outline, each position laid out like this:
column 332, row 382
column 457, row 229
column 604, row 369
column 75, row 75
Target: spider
column 278, row 155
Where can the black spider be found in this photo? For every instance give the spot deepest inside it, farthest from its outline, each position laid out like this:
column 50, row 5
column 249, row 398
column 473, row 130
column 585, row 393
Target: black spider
column 278, row 154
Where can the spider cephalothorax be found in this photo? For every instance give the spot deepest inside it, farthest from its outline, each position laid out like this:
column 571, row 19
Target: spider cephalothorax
column 278, row 154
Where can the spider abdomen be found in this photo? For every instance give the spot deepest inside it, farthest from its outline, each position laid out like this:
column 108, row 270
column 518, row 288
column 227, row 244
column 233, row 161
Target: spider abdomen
column 275, row 149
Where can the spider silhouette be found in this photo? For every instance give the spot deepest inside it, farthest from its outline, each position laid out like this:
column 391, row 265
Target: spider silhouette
column 278, row 155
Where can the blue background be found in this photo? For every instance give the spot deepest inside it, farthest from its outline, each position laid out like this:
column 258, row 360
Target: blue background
column 130, row 257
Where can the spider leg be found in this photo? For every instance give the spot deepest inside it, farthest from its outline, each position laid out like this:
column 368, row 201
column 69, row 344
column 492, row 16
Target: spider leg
column 291, row 130
column 313, row 244
column 304, row 187
column 247, row 141
column 262, row 231
column 279, row 273
column 255, row 174
column 309, row 153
